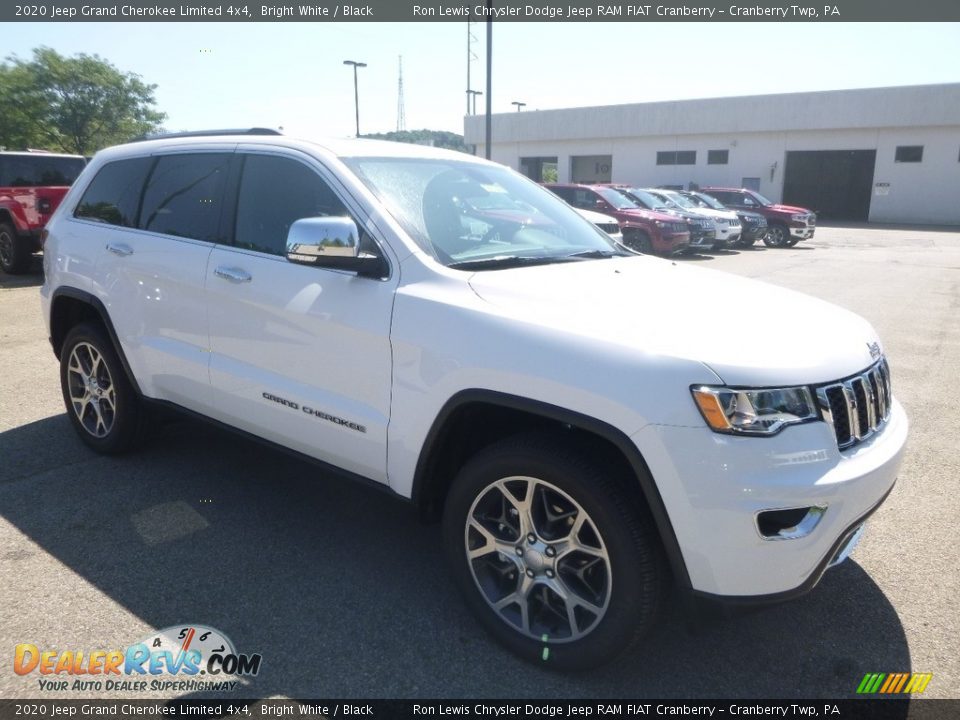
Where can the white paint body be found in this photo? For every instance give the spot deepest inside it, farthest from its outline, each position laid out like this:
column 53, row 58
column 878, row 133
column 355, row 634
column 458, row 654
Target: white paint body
column 621, row 340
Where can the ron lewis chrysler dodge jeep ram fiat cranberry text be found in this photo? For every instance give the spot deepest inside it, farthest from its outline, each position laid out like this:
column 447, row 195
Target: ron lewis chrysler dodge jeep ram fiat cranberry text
column 558, row 400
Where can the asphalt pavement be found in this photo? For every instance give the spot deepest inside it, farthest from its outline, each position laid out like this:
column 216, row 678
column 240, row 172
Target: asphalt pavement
column 345, row 593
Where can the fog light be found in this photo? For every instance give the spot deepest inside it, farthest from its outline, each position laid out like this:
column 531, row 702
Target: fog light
column 789, row 524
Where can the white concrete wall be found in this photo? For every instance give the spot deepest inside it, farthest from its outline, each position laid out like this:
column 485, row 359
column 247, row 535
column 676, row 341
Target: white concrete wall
column 758, row 132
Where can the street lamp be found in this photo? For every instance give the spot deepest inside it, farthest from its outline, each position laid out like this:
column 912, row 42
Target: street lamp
column 518, row 104
column 473, row 96
column 356, row 94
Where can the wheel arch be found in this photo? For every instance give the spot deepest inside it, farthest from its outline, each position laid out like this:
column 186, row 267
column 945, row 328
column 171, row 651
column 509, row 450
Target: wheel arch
column 493, row 415
column 70, row 306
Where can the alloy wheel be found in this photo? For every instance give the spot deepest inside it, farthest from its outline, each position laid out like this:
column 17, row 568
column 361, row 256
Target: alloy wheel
column 92, row 392
column 538, row 559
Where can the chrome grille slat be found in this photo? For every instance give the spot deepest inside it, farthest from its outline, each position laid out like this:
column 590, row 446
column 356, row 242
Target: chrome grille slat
column 858, row 406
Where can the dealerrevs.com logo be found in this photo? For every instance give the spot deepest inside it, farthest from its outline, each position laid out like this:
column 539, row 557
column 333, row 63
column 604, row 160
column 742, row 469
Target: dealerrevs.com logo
column 182, row 658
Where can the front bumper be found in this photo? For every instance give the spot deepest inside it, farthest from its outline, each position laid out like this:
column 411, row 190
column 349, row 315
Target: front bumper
column 803, row 233
column 713, row 487
column 671, row 243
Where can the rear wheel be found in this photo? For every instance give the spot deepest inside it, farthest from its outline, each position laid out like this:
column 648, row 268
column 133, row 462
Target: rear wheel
column 14, row 253
column 777, row 236
column 552, row 553
column 101, row 402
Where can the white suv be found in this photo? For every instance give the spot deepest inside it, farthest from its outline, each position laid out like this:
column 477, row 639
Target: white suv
column 557, row 400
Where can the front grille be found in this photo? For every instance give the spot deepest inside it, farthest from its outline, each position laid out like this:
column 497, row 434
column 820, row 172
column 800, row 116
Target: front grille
column 858, row 406
column 609, row 228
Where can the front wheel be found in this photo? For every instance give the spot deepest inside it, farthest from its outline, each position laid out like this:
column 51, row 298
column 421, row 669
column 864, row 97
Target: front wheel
column 101, row 402
column 552, row 553
column 639, row 241
column 777, row 236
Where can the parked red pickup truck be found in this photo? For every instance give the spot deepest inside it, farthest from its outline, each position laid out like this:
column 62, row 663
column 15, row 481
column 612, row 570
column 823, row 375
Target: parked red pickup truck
column 787, row 224
column 32, row 184
column 643, row 230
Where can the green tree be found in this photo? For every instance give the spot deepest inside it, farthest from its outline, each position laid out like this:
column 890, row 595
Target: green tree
column 72, row 104
column 436, row 138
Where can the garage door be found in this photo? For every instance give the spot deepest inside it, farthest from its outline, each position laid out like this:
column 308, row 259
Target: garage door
column 835, row 183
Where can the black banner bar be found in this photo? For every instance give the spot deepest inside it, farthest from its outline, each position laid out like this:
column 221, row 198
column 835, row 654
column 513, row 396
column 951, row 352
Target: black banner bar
column 867, row 709
column 502, row 11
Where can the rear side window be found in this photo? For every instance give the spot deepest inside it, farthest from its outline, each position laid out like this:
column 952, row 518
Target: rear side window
column 275, row 192
column 39, row 170
column 114, row 194
column 184, row 195
column 726, row 198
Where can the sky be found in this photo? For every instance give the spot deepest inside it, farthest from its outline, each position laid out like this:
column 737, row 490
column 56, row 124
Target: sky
column 291, row 75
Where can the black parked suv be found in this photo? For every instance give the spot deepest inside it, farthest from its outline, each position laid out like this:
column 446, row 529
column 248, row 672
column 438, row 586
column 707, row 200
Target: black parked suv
column 753, row 226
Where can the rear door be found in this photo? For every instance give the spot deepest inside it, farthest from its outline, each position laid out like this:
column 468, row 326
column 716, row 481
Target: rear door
column 299, row 355
column 158, row 237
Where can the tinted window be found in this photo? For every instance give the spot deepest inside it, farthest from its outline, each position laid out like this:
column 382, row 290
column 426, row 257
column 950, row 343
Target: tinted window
column 679, row 157
column 38, row 170
column 114, row 194
column 183, row 195
column 718, row 157
column 909, row 153
column 274, row 192
column 727, row 198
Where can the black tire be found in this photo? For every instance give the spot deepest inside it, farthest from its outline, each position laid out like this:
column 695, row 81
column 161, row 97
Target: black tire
column 639, row 241
column 631, row 576
column 778, row 235
column 112, row 420
column 746, row 242
column 14, row 253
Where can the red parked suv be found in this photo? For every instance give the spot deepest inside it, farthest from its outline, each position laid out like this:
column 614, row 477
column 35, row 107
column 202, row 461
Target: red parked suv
column 643, row 230
column 786, row 224
column 32, row 184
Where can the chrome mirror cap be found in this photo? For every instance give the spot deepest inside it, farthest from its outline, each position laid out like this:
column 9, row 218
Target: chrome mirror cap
column 309, row 240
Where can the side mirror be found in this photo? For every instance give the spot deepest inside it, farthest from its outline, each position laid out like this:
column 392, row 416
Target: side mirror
column 331, row 242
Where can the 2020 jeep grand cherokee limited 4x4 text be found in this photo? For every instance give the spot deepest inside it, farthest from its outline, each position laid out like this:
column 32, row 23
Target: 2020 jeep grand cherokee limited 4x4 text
column 556, row 400
column 31, row 186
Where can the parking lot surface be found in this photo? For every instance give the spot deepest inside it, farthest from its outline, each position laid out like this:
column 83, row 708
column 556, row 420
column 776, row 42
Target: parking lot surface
column 345, row 594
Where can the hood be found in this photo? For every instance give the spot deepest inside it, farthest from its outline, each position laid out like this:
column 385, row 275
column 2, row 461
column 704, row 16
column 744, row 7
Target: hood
column 649, row 214
column 777, row 336
column 790, row 209
column 712, row 213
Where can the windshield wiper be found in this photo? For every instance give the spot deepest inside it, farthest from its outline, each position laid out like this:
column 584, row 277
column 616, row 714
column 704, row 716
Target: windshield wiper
column 506, row 261
column 591, row 254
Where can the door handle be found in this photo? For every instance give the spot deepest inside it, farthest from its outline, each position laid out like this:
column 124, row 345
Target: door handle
column 121, row 249
column 233, row 274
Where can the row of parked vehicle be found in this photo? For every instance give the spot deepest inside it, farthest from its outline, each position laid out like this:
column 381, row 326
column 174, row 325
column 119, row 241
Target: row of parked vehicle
column 670, row 222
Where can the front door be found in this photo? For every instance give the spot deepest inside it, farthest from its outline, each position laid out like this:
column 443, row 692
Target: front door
column 299, row 355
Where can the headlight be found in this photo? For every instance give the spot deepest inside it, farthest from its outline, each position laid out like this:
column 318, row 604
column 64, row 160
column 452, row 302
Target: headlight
column 765, row 411
column 798, row 218
column 659, row 223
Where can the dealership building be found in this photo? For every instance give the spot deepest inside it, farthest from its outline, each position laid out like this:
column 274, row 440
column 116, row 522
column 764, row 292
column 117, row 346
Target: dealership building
column 877, row 154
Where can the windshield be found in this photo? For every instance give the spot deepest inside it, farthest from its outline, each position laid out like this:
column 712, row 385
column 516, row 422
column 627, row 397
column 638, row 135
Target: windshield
column 665, row 200
column 679, row 199
column 648, row 199
column 707, row 201
column 760, row 198
column 616, row 198
column 467, row 213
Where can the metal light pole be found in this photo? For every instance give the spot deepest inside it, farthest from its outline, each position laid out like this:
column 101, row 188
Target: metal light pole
column 489, row 119
column 518, row 104
column 356, row 93
column 472, row 95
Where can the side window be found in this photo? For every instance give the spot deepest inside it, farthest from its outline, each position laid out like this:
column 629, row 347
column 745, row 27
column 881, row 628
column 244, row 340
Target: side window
column 585, row 199
column 184, row 195
column 274, row 192
column 114, row 194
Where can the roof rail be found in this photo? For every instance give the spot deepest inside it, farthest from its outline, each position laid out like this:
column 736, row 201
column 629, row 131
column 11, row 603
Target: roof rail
column 209, row 133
